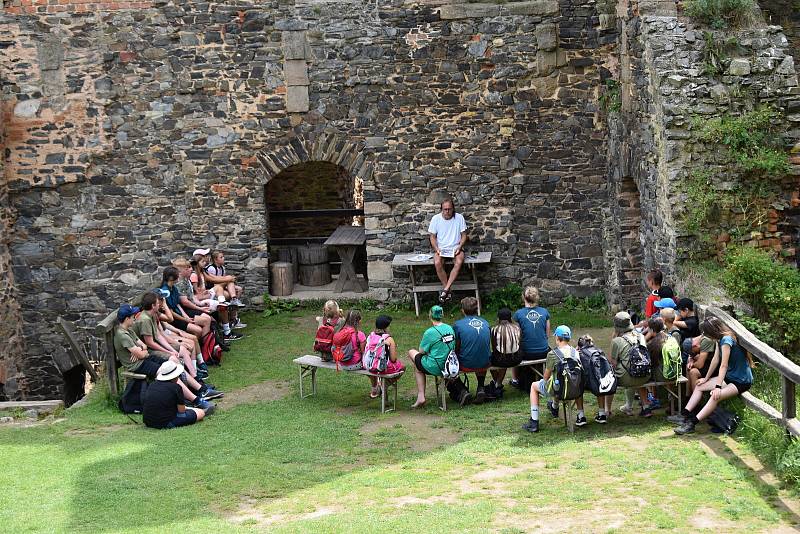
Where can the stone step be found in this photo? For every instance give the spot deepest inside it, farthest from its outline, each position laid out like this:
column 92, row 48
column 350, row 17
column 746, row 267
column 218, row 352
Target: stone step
column 42, row 406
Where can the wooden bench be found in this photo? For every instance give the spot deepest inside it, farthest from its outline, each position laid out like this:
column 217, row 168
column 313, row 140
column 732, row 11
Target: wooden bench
column 673, row 395
column 441, row 393
column 310, row 363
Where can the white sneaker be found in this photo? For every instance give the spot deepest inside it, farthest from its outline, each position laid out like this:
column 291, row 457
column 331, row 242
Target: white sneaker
column 221, row 298
column 237, row 302
column 239, row 325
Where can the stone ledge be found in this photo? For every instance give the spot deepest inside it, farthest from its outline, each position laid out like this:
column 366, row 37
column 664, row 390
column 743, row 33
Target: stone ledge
column 465, row 11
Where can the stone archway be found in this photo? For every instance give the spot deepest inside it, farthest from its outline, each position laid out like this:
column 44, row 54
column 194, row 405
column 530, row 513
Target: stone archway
column 351, row 156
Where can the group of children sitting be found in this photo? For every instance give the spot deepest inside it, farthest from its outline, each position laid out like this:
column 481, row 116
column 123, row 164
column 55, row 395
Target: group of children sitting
column 176, row 331
column 667, row 345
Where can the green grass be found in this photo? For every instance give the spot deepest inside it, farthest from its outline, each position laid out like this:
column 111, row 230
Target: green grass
column 333, row 463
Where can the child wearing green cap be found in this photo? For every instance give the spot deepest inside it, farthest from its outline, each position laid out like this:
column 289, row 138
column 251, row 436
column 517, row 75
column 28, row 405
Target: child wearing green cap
column 436, row 344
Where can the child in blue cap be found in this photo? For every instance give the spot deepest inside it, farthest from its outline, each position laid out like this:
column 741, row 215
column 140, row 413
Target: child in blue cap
column 544, row 387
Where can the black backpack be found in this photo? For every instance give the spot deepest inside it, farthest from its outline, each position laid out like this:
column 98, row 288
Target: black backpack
column 722, row 421
column 567, row 377
column 598, row 376
column 639, row 365
column 132, row 399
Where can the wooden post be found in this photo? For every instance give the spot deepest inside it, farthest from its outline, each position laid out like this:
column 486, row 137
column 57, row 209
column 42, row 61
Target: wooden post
column 111, row 364
column 282, row 278
column 789, row 399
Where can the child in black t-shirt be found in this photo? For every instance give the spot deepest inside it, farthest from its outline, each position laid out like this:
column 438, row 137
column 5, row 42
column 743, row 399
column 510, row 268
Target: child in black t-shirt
column 164, row 403
column 687, row 322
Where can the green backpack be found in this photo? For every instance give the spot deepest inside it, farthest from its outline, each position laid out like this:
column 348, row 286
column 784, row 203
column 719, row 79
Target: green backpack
column 671, row 358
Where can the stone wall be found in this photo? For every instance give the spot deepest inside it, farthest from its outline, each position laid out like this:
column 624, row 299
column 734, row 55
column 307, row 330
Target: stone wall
column 664, row 91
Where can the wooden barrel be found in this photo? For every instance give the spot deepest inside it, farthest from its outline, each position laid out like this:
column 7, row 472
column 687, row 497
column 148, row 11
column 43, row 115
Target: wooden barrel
column 282, row 278
column 312, row 254
column 315, row 275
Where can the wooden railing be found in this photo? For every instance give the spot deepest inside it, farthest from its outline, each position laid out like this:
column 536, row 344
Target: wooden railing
column 105, row 331
column 789, row 371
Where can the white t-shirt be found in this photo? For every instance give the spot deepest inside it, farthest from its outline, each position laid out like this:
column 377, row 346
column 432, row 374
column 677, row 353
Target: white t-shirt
column 447, row 232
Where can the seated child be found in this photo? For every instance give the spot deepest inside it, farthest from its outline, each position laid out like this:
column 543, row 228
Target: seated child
column 544, row 387
column 330, row 323
column 434, row 348
column 380, row 335
column 506, row 352
column 350, row 336
column 164, row 405
column 625, row 338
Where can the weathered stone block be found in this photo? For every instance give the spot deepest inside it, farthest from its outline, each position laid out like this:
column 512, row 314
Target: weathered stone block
column 295, row 45
column 27, row 108
column 297, row 99
column 380, row 270
column 538, row 7
column 739, row 67
column 466, row 11
column 296, row 72
column 376, row 208
column 607, row 22
column 547, row 37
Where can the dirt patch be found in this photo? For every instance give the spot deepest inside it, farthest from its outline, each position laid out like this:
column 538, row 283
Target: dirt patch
column 269, row 390
column 95, row 431
column 708, row 518
column 307, row 322
column 425, row 430
column 249, row 513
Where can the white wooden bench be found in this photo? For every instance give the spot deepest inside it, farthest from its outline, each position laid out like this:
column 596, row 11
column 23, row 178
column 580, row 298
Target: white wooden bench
column 309, row 365
column 441, row 392
column 673, row 395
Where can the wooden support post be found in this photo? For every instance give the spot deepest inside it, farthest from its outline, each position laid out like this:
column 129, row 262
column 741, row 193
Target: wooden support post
column 789, row 399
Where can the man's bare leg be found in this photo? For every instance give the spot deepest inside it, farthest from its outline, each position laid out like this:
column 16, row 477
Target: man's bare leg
column 438, row 262
column 458, row 261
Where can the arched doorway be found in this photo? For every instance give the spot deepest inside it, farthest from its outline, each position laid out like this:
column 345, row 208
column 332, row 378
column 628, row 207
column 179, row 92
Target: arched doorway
column 305, row 204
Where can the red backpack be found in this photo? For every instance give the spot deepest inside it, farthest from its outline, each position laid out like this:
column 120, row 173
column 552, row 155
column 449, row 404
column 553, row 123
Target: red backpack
column 212, row 353
column 323, row 341
column 344, row 345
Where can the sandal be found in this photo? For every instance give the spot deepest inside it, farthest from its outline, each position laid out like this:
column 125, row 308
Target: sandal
column 444, row 296
column 375, row 392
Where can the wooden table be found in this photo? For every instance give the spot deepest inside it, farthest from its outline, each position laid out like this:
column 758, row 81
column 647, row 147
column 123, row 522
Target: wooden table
column 346, row 240
column 472, row 259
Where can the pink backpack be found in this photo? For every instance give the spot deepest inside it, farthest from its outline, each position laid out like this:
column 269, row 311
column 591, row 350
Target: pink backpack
column 376, row 357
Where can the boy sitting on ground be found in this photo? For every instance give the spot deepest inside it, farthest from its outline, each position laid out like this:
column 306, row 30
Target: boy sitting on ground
column 164, row 406
column 545, row 386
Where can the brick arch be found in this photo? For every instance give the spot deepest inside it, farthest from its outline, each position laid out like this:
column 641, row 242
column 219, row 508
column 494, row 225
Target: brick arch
column 328, row 146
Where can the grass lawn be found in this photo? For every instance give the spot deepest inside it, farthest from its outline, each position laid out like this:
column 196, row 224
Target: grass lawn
column 268, row 461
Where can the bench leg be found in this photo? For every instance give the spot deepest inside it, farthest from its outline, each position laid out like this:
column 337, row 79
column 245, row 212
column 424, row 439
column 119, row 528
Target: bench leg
column 569, row 421
column 441, row 398
column 385, row 395
column 475, row 281
column 304, row 372
column 413, row 287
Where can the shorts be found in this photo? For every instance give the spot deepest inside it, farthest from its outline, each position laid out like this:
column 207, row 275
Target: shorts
column 150, row 366
column 180, row 324
column 506, row 360
column 189, row 417
column 193, row 313
column 534, row 355
column 741, row 387
column 541, row 385
column 418, row 364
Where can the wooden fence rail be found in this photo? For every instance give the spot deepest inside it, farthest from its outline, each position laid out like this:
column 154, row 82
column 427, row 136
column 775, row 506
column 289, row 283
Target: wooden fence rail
column 789, row 371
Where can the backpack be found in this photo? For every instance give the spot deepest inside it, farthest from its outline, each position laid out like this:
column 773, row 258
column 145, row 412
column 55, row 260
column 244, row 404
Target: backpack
column 599, row 377
column 132, row 399
column 723, row 421
column 672, row 362
column 639, row 365
column 343, row 347
column 451, row 366
column 567, row 379
column 323, row 340
column 211, row 352
column 376, row 356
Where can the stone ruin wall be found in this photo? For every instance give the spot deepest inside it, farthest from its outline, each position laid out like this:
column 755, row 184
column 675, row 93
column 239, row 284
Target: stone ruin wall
column 134, row 135
column 652, row 139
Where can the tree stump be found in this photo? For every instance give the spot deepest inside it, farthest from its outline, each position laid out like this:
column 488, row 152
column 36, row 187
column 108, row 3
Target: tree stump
column 315, row 275
column 282, row 278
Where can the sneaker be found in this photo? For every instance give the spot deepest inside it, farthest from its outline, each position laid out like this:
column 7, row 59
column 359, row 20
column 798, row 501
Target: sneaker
column 480, row 396
column 202, row 374
column 627, row 410
column 208, row 393
column 464, row 398
column 646, row 412
column 553, row 407
column 677, row 419
column 201, row 403
column 233, row 336
column 685, row 428
column 236, row 302
column 581, row 421
column 239, row 325
column 531, row 426
column 211, row 408
column 601, row 419
column 514, row 383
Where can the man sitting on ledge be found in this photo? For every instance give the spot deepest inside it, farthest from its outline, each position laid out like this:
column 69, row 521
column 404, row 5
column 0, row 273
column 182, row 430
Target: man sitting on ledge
column 448, row 233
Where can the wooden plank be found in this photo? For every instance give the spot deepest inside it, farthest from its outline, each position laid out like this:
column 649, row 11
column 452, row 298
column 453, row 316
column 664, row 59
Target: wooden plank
column 758, row 348
column 316, row 361
column 458, row 286
column 296, row 240
column 762, row 407
column 300, row 214
column 106, row 325
column 77, row 351
column 347, row 235
column 402, row 260
column 48, row 405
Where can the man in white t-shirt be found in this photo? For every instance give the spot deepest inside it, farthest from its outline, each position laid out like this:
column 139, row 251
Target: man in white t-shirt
column 448, row 233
